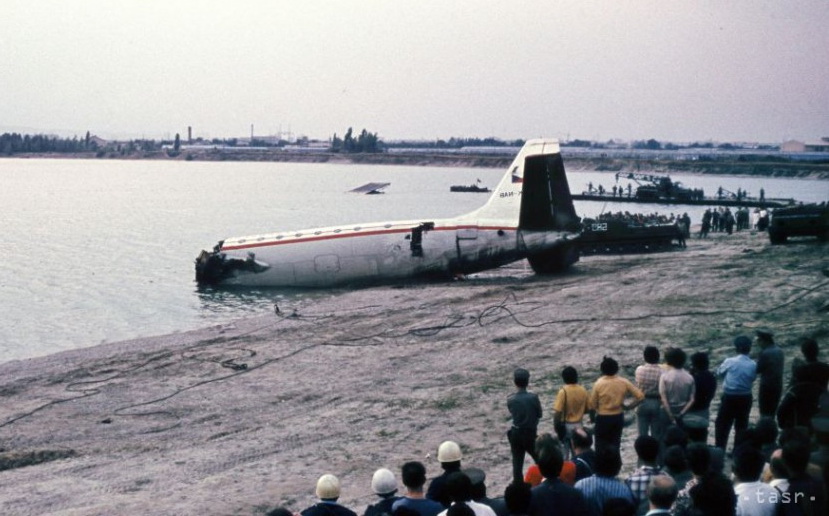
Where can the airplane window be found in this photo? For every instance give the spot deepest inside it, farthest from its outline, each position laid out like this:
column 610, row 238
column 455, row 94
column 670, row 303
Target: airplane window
column 298, row 235
column 358, row 228
column 337, row 230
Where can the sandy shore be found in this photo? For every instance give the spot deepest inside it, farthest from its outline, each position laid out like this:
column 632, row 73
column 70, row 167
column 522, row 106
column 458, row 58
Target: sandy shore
column 370, row 378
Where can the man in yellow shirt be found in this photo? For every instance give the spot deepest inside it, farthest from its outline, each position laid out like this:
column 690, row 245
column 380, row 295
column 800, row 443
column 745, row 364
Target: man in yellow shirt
column 607, row 398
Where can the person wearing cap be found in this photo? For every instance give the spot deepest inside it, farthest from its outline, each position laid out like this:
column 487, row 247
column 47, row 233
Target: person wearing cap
column 478, row 479
column 328, row 491
column 525, row 408
column 770, row 370
column 738, row 373
column 459, row 489
column 413, row 475
column 449, row 456
column 384, row 485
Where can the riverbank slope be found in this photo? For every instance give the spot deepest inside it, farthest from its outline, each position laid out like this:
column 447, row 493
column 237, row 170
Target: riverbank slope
column 240, row 418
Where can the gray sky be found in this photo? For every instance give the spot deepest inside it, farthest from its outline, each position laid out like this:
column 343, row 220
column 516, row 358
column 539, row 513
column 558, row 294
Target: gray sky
column 725, row 70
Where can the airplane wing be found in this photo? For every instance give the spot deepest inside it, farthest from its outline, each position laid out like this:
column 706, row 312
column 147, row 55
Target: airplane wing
column 370, row 188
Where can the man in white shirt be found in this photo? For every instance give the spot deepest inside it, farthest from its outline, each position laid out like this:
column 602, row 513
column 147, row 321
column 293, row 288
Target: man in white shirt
column 459, row 488
column 754, row 498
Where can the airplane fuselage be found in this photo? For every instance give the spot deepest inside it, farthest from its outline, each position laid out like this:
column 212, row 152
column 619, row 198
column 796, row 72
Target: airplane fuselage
column 381, row 251
column 529, row 215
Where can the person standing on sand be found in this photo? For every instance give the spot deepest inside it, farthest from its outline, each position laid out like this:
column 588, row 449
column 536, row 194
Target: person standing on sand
column 525, row 409
column 705, row 387
column 571, row 404
column 738, row 373
column 705, row 226
column 676, row 388
column 328, row 491
column 770, row 365
column 607, row 397
column 647, row 379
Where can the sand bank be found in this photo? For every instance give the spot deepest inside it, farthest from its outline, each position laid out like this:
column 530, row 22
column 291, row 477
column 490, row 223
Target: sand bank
column 240, row 418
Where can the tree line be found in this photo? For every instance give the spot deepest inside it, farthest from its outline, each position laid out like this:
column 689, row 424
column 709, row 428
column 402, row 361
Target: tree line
column 15, row 143
column 364, row 142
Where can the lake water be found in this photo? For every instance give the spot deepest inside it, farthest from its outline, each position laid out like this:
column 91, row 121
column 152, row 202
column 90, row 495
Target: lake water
column 102, row 251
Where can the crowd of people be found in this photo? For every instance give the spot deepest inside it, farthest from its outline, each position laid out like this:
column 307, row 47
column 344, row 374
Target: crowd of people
column 644, row 219
column 778, row 466
column 722, row 220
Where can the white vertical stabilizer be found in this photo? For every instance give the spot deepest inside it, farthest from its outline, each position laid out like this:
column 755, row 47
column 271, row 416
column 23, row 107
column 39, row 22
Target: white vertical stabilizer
column 504, row 205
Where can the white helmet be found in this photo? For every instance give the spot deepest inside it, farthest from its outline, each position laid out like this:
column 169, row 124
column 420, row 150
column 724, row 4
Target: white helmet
column 328, row 487
column 449, row 451
column 383, row 482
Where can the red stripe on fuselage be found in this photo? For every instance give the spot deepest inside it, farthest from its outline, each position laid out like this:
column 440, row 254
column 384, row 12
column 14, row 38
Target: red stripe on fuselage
column 352, row 234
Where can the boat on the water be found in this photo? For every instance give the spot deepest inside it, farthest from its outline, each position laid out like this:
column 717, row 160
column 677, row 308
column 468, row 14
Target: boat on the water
column 469, row 188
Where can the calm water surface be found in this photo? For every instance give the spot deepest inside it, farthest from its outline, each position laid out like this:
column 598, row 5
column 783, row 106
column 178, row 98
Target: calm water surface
column 101, row 251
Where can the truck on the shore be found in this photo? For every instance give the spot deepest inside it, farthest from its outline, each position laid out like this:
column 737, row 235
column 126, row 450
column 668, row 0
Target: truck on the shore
column 799, row 221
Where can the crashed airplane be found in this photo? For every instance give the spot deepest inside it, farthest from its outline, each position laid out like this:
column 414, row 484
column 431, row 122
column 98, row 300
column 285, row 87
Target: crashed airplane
column 529, row 215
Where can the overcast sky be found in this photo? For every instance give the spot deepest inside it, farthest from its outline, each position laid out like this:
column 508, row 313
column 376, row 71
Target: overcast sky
column 722, row 70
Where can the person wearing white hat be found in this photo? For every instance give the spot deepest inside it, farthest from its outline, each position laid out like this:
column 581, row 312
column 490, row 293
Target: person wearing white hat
column 328, row 491
column 449, row 456
column 384, row 485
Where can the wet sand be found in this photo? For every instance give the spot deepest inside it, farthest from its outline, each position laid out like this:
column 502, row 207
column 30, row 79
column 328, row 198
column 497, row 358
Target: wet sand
column 240, row 418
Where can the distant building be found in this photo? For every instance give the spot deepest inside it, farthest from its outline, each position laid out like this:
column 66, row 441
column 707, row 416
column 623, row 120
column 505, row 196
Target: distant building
column 821, row 145
column 97, row 142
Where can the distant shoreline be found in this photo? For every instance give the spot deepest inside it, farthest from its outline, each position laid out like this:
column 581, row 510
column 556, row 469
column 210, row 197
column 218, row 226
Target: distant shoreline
column 735, row 167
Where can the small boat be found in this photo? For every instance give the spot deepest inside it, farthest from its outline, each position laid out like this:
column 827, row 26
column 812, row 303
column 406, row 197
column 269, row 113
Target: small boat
column 469, row 188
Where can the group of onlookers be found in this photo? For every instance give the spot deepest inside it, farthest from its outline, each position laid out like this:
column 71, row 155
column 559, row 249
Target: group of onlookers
column 640, row 219
column 724, row 221
column 780, row 465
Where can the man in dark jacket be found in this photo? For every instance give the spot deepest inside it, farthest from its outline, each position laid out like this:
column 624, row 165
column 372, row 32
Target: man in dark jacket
column 552, row 496
column 770, row 371
column 525, row 409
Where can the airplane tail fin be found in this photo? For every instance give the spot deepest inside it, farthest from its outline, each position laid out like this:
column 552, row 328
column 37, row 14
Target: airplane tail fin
column 534, row 194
